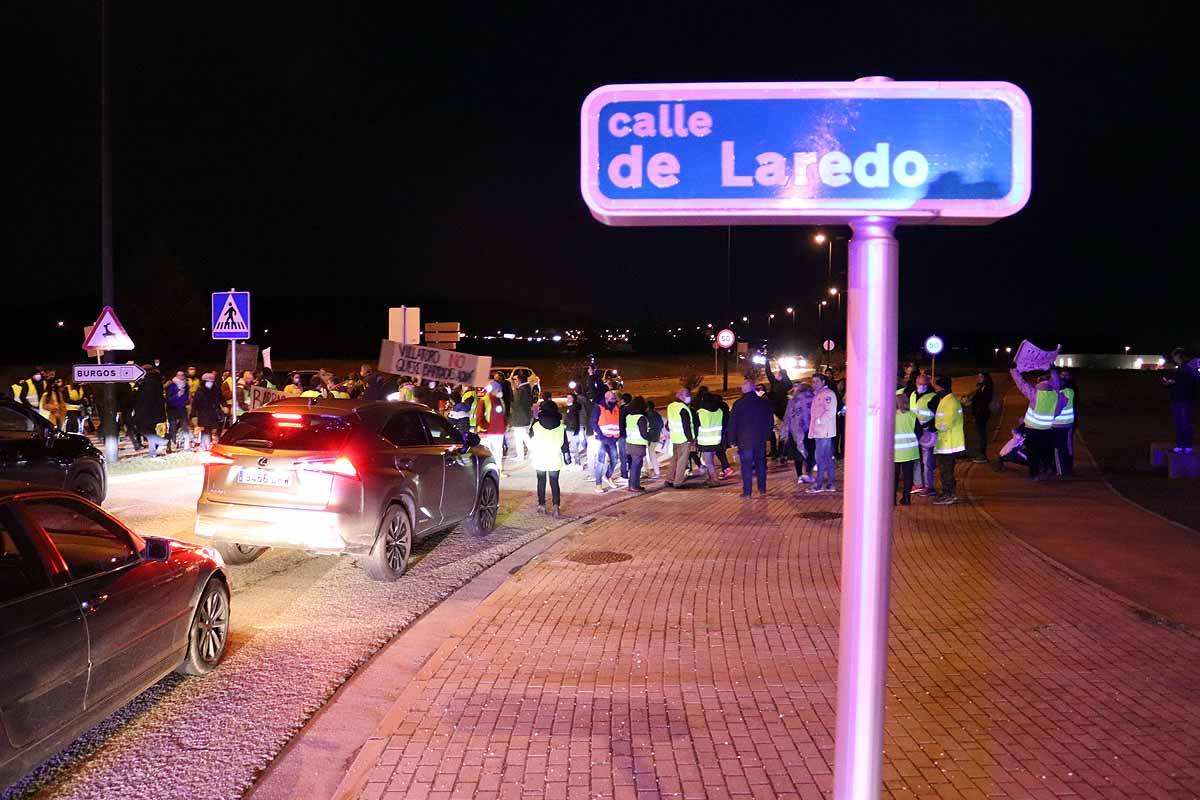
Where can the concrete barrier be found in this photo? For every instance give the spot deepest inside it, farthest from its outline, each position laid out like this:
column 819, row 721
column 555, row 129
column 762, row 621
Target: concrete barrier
column 1158, row 454
column 1183, row 465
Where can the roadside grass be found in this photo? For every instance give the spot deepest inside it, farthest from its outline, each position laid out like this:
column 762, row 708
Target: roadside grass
column 1120, row 413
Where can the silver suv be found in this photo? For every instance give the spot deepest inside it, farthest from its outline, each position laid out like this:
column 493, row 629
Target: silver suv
column 344, row 476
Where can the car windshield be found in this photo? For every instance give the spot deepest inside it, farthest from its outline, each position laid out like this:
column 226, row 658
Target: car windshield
column 284, row 430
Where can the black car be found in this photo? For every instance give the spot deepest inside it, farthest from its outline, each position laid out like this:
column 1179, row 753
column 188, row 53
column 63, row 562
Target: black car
column 91, row 615
column 33, row 450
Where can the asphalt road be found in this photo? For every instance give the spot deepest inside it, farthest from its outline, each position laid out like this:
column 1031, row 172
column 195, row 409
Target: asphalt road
column 300, row 626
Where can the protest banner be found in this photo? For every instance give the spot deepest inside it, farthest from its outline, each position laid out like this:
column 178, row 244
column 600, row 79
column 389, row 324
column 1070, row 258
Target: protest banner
column 432, row 364
column 1031, row 358
column 261, row 395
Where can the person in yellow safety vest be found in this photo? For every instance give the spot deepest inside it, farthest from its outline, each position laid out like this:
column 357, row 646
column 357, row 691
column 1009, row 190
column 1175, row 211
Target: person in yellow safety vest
column 295, row 387
column 951, row 440
column 408, row 392
column 907, row 450
column 1044, row 405
column 547, row 440
column 637, row 440
column 681, row 426
column 918, row 402
column 30, row 390
column 73, row 395
column 1063, row 426
column 316, row 388
column 708, row 436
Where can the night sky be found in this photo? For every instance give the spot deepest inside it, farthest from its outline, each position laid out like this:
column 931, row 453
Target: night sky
column 309, row 151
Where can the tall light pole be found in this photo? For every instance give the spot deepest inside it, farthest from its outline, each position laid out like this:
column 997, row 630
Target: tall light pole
column 108, row 415
column 821, row 238
column 833, row 290
column 792, row 313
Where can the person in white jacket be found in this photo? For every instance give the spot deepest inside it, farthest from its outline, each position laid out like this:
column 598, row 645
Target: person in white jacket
column 822, row 428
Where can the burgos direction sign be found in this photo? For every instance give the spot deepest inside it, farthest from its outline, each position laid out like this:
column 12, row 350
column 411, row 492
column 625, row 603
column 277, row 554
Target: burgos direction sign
column 805, row 153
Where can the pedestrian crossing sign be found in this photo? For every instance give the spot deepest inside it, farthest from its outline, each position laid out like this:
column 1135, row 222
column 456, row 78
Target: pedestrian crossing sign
column 231, row 315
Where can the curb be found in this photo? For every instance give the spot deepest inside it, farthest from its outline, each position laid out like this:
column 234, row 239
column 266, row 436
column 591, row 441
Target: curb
column 408, row 652
column 1122, row 599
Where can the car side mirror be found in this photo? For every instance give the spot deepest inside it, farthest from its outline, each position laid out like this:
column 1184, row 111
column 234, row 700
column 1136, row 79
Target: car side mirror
column 471, row 439
column 158, row 549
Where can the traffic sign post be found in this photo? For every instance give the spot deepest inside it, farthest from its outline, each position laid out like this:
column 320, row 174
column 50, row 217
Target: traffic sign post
column 106, row 373
column 106, row 336
column 725, row 340
column 107, row 333
column 231, row 322
column 933, row 346
column 870, row 154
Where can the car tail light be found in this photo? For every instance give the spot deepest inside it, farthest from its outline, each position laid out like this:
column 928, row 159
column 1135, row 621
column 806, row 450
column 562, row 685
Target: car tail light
column 215, row 458
column 341, row 466
column 281, row 415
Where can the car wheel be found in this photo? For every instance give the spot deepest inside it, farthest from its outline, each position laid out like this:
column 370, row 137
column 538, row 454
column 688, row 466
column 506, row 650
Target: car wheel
column 209, row 632
column 393, row 544
column 86, row 482
column 487, row 508
column 234, row 553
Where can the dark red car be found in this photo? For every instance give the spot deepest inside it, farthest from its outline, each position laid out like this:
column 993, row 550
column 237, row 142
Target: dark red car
column 91, row 615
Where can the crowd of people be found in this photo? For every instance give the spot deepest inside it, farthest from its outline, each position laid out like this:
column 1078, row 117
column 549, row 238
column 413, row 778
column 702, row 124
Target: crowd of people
column 621, row 439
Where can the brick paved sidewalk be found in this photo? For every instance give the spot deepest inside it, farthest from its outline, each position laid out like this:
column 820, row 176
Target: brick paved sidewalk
column 704, row 666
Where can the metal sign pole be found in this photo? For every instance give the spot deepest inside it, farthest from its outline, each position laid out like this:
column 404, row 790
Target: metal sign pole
column 867, row 507
column 233, row 376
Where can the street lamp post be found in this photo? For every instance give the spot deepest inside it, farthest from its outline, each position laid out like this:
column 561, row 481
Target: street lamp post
column 108, row 391
column 821, row 238
column 792, row 313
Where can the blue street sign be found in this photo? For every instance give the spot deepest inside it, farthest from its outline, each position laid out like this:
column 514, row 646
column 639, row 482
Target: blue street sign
column 805, row 153
column 231, row 315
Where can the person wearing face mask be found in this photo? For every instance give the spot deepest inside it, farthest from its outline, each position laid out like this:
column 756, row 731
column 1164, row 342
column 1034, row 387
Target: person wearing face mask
column 794, row 434
column 576, row 431
column 193, row 380
column 606, row 420
column 52, row 404
column 149, row 409
column 295, row 386
column 30, row 390
column 681, row 424
column 919, row 402
column 178, row 399
column 822, row 427
column 208, row 406
column 948, row 421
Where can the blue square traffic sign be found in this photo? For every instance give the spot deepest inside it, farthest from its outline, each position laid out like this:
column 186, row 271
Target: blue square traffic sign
column 231, row 315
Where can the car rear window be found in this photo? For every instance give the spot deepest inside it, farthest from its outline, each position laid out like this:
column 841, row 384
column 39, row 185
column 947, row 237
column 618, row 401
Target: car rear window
column 285, row 430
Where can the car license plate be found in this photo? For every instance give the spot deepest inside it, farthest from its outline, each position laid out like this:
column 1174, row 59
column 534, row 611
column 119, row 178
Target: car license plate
column 264, row 477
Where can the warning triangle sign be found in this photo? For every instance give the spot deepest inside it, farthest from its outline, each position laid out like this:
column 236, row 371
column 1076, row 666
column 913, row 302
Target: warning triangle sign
column 108, row 333
column 230, row 319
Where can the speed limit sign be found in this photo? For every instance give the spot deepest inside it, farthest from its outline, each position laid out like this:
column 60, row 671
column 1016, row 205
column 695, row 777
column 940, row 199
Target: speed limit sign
column 726, row 338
